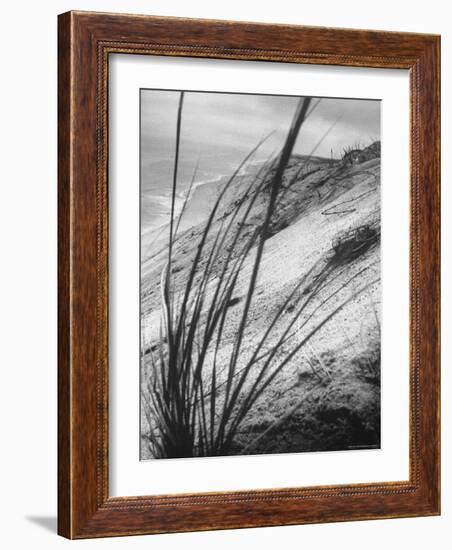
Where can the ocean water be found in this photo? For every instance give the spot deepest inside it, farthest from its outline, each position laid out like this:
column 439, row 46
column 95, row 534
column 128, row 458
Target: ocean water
column 157, row 181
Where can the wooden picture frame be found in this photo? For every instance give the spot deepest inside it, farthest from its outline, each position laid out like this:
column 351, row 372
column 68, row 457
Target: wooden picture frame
column 85, row 42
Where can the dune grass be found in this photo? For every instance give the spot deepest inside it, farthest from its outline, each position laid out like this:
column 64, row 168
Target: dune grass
column 195, row 406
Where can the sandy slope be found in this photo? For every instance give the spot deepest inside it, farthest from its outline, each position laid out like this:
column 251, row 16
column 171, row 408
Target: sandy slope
column 333, row 382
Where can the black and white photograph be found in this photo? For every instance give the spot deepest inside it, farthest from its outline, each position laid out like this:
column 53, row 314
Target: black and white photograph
column 260, row 290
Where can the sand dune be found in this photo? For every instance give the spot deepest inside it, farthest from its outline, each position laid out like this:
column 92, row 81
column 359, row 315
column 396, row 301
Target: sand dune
column 328, row 200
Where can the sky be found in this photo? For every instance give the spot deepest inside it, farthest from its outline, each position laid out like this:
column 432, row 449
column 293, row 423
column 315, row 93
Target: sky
column 239, row 121
column 219, row 129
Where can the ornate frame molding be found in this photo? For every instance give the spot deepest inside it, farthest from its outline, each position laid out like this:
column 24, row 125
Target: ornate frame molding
column 85, row 42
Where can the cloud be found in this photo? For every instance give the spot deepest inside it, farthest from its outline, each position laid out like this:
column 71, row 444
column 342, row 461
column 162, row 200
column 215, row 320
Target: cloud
column 236, row 122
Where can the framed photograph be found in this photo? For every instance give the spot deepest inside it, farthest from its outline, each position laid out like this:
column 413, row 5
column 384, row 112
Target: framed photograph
column 248, row 275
